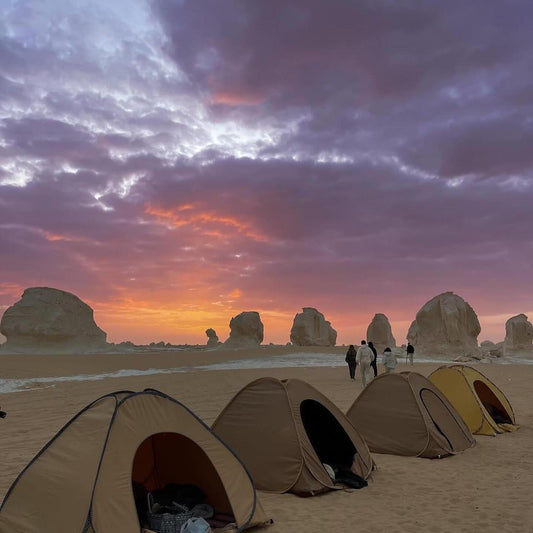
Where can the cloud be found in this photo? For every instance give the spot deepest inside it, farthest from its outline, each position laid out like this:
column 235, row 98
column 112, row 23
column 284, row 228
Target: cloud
column 201, row 158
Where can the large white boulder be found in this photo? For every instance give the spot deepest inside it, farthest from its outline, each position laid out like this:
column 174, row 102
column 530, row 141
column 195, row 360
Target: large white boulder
column 379, row 332
column 48, row 320
column 445, row 326
column 310, row 328
column 518, row 336
column 246, row 331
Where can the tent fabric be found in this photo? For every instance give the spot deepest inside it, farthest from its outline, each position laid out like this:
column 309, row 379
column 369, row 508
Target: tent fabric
column 405, row 414
column 81, row 481
column 482, row 405
column 285, row 430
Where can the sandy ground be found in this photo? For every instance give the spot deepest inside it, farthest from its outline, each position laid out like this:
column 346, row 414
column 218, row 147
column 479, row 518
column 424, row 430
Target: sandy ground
column 488, row 488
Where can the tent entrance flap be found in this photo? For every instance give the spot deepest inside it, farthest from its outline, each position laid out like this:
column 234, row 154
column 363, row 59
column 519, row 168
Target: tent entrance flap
column 330, row 441
column 443, row 419
column 491, row 403
column 172, row 458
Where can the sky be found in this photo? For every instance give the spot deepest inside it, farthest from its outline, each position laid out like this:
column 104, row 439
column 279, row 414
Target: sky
column 176, row 162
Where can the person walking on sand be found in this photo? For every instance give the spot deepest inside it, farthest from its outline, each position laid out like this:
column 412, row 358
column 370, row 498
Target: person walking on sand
column 374, row 363
column 410, row 352
column 364, row 358
column 350, row 359
column 389, row 361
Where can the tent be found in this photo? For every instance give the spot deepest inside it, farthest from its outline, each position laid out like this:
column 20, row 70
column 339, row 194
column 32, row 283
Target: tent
column 483, row 406
column 83, row 480
column 405, row 414
column 285, row 431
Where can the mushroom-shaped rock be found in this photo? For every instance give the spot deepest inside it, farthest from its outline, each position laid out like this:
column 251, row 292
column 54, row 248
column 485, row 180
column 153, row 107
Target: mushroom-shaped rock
column 379, row 332
column 246, row 331
column 445, row 326
column 47, row 320
column 310, row 328
column 212, row 338
column 518, row 336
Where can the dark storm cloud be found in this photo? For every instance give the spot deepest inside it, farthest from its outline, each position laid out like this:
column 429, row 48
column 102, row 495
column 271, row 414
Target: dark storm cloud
column 370, row 76
column 299, row 51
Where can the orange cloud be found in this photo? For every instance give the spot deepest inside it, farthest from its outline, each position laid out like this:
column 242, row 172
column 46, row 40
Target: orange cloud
column 235, row 98
column 53, row 237
column 236, row 293
column 189, row 215
column 56, row 237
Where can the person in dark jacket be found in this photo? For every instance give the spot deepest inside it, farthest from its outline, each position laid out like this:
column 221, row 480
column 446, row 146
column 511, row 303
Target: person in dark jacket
column 410, row 352
column 350, row 359
column 374, row 363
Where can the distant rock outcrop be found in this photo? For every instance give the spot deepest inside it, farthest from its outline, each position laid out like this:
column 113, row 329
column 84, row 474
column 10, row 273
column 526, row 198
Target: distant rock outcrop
column 490, row 349
column 445, row 326
column 518, row 336
column 310, row 328
column 49, row 320
column 379, row 332
column 212, row 338
column 246, row 331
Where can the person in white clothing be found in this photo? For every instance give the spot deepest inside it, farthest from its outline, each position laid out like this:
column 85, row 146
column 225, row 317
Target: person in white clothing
column 364, row 358
column 389, row 360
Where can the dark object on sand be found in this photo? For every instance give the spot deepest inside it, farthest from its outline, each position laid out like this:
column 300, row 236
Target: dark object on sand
column 3, row 414
column 347, row 477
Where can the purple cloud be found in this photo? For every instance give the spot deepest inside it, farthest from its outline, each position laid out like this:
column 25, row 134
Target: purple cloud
column 214, row 157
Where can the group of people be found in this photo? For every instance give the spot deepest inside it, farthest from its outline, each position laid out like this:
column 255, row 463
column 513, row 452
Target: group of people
column 366, row 357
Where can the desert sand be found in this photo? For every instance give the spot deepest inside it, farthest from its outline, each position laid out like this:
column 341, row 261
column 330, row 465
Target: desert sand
column 488, row 488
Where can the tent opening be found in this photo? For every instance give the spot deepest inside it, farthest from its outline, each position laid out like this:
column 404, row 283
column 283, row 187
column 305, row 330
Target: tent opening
column 443, row 419
column 173, row 460
column 332, row 444
column 491, row 403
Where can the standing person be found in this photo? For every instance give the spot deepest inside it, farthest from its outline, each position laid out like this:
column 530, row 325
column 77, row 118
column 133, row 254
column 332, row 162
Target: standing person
column 350, row 359
column 374, row 363
column 410, row 352
column 364, row 357
column 389, row 360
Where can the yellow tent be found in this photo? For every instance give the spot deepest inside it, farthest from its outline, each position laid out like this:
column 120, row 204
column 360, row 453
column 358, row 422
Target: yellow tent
column 481, row 404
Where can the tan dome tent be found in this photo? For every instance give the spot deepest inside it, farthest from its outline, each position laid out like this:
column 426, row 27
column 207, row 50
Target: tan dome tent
column 405, row 414
column 284, row 431
column 83, row 480
column 483, row 406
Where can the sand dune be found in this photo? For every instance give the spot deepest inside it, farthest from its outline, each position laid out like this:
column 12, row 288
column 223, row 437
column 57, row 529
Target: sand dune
column 485, row 489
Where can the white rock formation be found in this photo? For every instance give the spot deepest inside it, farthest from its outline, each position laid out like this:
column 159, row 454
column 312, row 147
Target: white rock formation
column 518, row 336
column 490, row 349
column 310, row 328
column 212, row 338
column 445, row 326
column 246, row 331
column 49, row 320
column 379, row 332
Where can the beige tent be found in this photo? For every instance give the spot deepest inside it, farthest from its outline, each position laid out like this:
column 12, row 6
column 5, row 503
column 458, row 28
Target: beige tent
column 81, row 481
column 405, row 414
column 284, row 431
column 483, row 406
